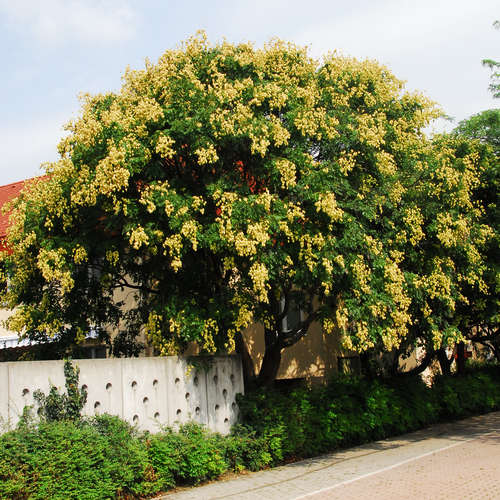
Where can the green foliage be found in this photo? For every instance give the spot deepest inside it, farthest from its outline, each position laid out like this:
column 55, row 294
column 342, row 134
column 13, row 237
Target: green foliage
column 67, row 406
column 476, row 392
column 69, row 460
column 104, row 457
column 483, row 126
column 479, row 316
column 188, row 456
column 243, row 449
column 349, row 411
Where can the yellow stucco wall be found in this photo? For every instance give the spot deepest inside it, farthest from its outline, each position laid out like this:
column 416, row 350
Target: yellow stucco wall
column 4, row 314
column 314, row 355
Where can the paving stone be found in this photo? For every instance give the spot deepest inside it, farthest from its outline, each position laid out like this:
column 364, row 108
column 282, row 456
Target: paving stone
column 448, row 461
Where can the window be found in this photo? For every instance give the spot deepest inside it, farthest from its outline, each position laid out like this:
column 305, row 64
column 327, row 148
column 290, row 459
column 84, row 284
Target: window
column 293, row 317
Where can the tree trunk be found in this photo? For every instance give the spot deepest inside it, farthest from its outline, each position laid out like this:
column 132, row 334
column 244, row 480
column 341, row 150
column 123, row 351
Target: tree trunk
column 271, row 361
column 246, row 360
column 460, row 357
column 417, row 370
column 394, row 363
column 444, row 362
column 365, row 364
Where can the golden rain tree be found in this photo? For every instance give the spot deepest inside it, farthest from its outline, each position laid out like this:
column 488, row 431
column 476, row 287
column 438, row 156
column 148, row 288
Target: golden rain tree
column 226, row 185
column 447, row 239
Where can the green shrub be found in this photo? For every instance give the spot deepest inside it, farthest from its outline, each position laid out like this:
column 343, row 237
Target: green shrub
column 349, row 411
column 68, row 460
column 187, row 457
column 243, row 449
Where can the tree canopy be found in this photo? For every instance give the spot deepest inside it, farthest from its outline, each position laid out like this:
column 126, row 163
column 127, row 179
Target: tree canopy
column 480, row 317
column 227, row 185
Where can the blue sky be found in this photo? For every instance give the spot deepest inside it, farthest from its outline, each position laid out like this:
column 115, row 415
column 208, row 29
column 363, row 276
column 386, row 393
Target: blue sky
column 54, row 49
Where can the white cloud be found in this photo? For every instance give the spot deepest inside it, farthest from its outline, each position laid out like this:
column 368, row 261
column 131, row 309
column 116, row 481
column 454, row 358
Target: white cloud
column 435, row 45
column 27, row 144
column 398, row 27
column 59, row 21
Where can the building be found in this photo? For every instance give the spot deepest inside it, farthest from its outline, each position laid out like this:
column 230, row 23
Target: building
column 315, row 356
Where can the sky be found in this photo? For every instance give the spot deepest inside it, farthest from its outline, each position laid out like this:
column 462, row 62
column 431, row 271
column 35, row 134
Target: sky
column 53, row 50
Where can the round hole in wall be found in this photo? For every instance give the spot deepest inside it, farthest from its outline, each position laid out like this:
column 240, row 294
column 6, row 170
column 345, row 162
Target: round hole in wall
column 155, row 383
column 233, row 406
column 84, row 387
column 196, row 381
column 197, row 410
column 108, row 386
column 145, row 400
column 224, row 393
column 135, row 419
column 217, row 407
column 226, row 420
column 39, row 411
column 177, row 380
column 223, row 370
column 179, row 411
column 97, row 405
column 216, row 379
column 232, row 378
column 187, row 395
column 134, row 384
column 26, row 392
column 156, row 416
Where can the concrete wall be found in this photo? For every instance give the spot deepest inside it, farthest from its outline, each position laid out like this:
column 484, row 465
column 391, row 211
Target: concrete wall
column 147, row 392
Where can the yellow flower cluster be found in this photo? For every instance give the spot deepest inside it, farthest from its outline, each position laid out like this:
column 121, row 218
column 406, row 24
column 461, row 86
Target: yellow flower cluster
column 362, row 274
column 310, row 247
column 347, row 161
column 164, row 146
column 328, row 204
column 451, row 232
column 294, row 212
column 209, row 331
column 395, row 287
column 207, row 155
column 328, row 326
column 342, row 317
column 259, row 276
column 374, row 245
column 138, row 237
column 173, row 246
column 438, row 284
column 189, row 230
column 287, row 171
column 371, row 129
column 52, row 265
column 148, row 193
column 378, row 310
column 386, row 163
column 265, row 199
column 79, row 255
column 414, row 219
column 112, row 256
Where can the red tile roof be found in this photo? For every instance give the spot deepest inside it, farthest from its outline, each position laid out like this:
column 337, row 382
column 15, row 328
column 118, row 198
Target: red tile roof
column 6, row 194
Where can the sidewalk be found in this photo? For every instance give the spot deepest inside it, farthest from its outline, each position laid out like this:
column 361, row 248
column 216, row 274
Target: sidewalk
column 369, row 471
